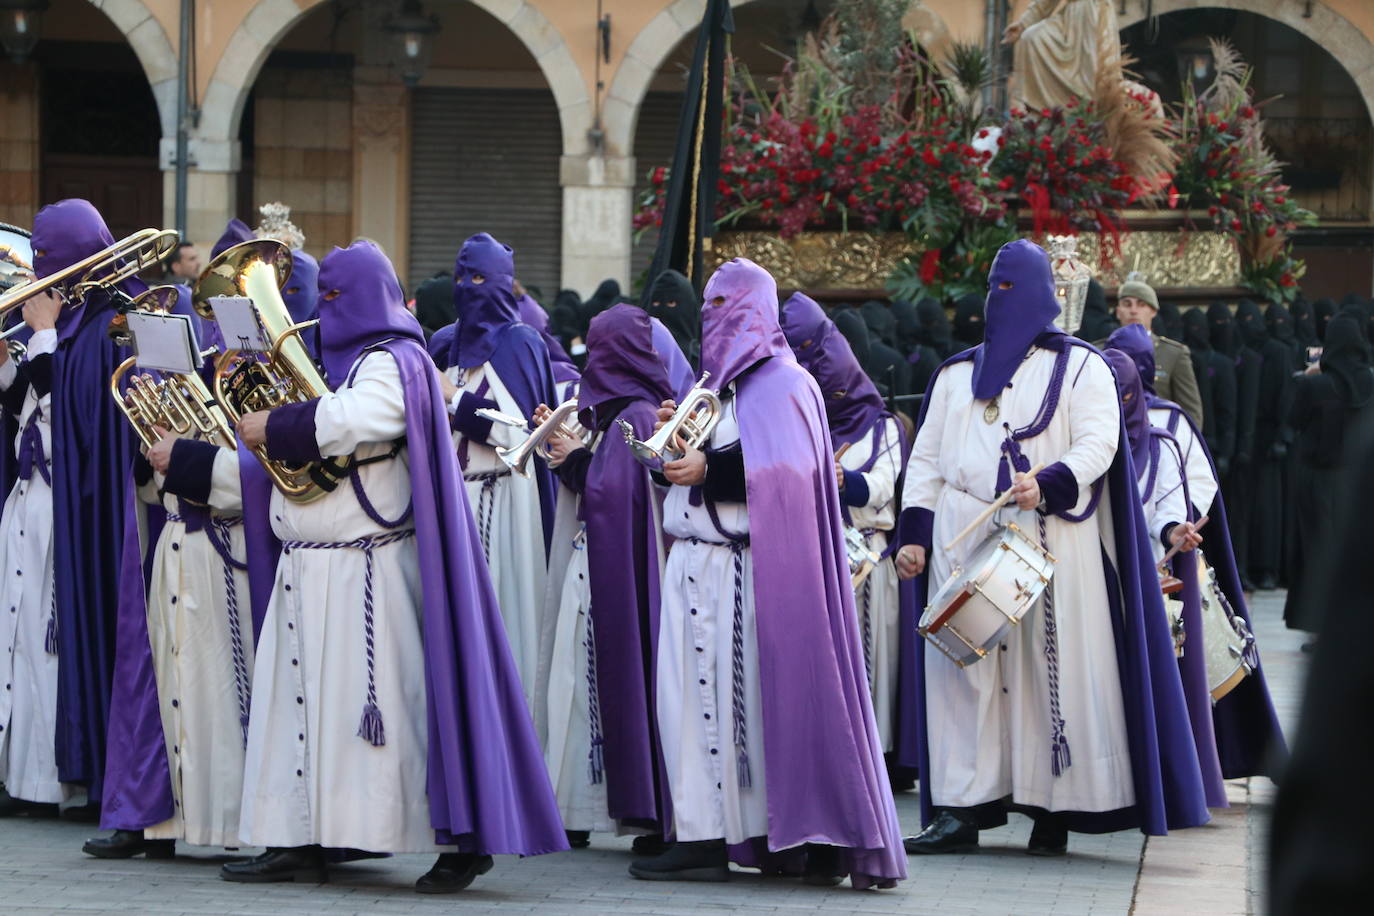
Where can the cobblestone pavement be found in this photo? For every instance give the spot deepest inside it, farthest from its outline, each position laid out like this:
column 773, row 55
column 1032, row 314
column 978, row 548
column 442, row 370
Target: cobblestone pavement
column 1217, row 869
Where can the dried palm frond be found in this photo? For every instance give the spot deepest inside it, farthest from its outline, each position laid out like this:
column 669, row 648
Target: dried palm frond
column 1233, row 74
column 1138, row 133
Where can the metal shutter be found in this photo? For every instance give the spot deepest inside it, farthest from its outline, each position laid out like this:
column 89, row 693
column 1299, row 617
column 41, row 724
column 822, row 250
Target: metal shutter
column 655, row 138
column 486, row 160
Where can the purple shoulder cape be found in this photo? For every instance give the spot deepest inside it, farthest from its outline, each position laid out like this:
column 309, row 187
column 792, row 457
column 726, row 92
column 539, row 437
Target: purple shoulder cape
column 1168, row 781
column 1250, row 741
column 622, row 553
column 93, row 449
column 488, row 788
column 825, row 774
column 521, row 360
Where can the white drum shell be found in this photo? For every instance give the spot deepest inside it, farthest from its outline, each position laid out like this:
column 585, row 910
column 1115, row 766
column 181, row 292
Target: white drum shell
column 1002, row 579
column 1222, row 642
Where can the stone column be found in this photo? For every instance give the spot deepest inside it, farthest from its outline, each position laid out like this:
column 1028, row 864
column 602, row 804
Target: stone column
column 381, row 167
column 211, row 187
column 598, row 203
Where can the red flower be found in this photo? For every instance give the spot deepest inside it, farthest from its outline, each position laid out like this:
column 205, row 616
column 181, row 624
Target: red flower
column 929, row 158
column 1287, row 280
column 1006, row 183
column 1271, row 231
column 930, row 265
column 825, row 151
column 767, row 203
column 658, row 174
column 1235, row 225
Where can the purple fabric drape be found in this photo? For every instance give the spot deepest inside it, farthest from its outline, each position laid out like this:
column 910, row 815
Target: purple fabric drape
column 852, row 403
column 679, row 369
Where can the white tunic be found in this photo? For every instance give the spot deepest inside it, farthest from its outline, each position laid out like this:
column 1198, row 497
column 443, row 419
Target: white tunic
column 989, row 725
column 1165, row 505
column 1202, row 483
column 28, row 703
column 695, row 664
column 876, row 599
column 509, row 522
column 203, row 661
column 309, row 777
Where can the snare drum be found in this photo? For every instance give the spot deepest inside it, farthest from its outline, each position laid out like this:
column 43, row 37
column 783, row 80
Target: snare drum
column 862, row 558
column 985, row 597
column 1226, row 640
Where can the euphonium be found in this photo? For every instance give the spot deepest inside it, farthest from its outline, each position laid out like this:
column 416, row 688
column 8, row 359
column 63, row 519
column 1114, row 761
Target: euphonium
column 245, row 381
column 691, row 425
column 126, row 258
column 180, row 404
column 517, row 458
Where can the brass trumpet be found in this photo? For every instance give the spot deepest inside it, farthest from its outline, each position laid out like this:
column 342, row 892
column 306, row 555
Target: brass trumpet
column 126, row 258
column 246, row 382
column 178, row 403
column 692, row 423
column 517, row 458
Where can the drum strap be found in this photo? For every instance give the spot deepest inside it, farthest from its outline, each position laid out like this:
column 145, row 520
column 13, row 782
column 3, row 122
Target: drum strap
column 1060, row 759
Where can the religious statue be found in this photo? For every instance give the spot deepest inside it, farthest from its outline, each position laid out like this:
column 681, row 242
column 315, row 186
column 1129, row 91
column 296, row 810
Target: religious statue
column 1060, row 45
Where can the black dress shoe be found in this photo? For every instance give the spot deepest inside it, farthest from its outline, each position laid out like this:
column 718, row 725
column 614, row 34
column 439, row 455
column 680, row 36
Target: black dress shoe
column 649, row 845
column 125, row 844
column 297, row 863
column 824, row 868
column 702, row 860
column 946, row 834
column 16, row 807
column 579, row 839
column 88, row 813
column 1049, row 837
column 453, row 872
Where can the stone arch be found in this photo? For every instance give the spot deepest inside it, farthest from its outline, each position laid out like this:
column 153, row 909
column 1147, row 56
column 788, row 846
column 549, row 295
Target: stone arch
column 154, row 50
column 1326, row 27
column 270, row 20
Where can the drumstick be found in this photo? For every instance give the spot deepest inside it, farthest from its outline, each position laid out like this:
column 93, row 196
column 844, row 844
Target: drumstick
column 839, row 452
column 1174, row 549
column 986, row 514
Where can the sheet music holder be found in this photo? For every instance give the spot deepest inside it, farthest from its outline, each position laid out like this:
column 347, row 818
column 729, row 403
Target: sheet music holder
column 240, row 324
column 164, row 343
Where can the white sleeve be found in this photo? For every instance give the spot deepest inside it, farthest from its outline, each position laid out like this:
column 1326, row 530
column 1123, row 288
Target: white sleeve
column 1202, row 484
column 8, row 373
column 882, row 477
column 1094, row 420
column 226, row 493
column 41, row 342
column 371, row 410
column 923, row 479
column 1167, row 504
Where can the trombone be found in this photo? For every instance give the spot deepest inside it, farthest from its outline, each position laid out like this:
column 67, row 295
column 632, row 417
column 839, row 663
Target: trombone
column 517, row 458
column 114, row 264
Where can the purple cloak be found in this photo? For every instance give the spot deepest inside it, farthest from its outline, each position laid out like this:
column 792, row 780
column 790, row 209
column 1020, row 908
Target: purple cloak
column 92, row 451
column 825, row 775
column 852, row 403
column 1168, row 782
column 1249, row 739
column 680, row 375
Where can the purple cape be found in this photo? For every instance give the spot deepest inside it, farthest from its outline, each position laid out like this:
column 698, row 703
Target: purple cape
column 1249, row 738
column 680, row 375
column 852, row 403
column 92, row 449
column 1015, row 316
column 533, row 314
column 1130, row 390
column 1168, row 783
column 621, row 363
column 824, row 768
column 301, row 295
column 235, row 231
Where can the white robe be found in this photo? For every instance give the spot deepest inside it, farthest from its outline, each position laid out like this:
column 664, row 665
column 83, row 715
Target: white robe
column 1202, row 483
column 28, row 703
column 1165, row 505
column 309, row 777
column 989, row 725
column 876, row 599
column 509, row 521
column 694, row 675
column 203, row 683
column 563, row 708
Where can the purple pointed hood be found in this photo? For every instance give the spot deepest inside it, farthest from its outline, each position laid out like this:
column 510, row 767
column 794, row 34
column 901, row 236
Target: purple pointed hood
column 533, row 314
column 1016, row 316
column 679, row 370
column 301, row 293
column 237, row 231
column 65, row 233
column 739, row 321
column 360, row 305
column 1135, row 342
column 483, row 309
column 621, row 363
column 1134, row 411
column 852, row 403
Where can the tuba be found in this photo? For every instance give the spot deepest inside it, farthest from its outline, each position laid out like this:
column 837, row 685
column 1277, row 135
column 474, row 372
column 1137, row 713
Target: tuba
column 181, row 404
column 246, row 381
column 126, row 258
column 692, row 422
column 517, row 458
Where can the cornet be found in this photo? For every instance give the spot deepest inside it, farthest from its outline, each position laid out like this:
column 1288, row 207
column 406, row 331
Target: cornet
column 517, row 458
column 693, row 422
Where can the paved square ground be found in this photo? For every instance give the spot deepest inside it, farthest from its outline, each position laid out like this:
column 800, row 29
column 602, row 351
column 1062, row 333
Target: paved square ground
column 1215, row 869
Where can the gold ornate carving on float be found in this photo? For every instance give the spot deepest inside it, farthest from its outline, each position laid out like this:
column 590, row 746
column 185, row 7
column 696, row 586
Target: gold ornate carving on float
column 823, row 259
